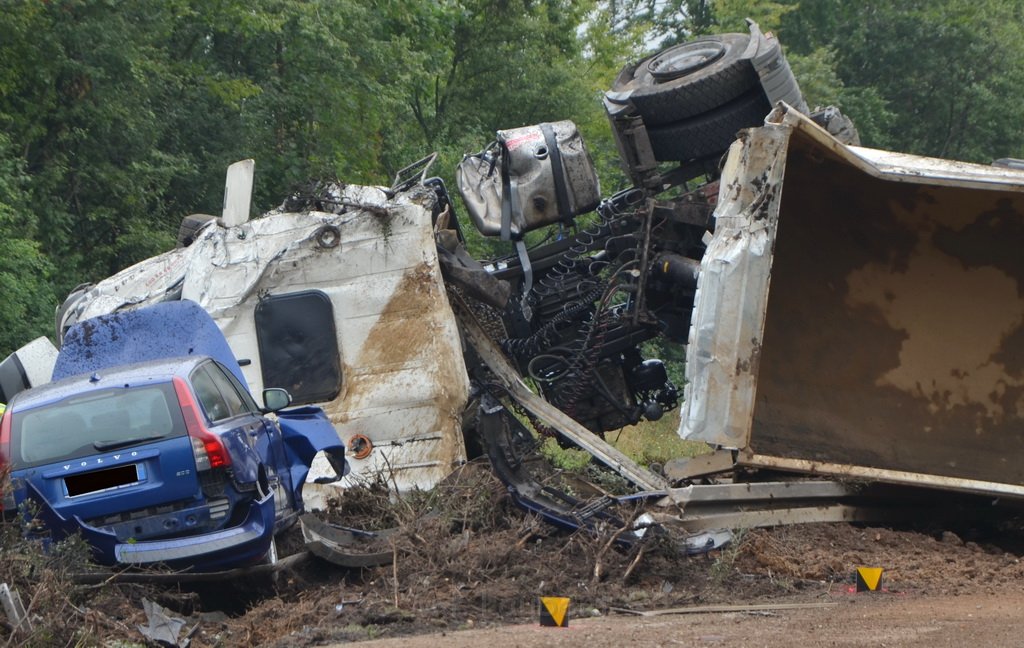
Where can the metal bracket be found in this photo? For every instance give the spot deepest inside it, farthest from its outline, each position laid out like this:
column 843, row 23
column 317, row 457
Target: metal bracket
column 719, row 461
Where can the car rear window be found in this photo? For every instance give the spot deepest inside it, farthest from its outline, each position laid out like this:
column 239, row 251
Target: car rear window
column 94, row 423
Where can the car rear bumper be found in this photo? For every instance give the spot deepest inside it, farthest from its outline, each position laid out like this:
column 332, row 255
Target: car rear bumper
column 233, row 547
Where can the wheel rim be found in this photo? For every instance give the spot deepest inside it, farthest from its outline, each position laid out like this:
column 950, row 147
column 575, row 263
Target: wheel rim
column 271, row 557
column 679, row 61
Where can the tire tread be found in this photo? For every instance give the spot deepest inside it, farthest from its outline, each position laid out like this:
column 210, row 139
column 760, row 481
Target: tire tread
column 710, row 133
column 674, row 103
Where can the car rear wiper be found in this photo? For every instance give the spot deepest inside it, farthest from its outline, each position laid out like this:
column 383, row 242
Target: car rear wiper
column 110, row 445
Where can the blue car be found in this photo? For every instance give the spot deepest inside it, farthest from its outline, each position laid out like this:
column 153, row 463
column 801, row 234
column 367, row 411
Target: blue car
column 149, row 444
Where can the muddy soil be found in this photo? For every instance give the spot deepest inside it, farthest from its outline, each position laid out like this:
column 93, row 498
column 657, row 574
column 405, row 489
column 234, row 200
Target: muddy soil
column 466, row 559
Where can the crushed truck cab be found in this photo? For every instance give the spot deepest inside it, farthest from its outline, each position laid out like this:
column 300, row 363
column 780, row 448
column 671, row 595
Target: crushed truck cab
column 340, row 301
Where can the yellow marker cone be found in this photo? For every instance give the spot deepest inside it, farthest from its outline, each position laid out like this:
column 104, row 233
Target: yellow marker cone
column 554, row 611
column 868, row 578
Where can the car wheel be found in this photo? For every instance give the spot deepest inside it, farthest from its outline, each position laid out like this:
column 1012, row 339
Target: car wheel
column 190, row 226
column 688, row 79
column 270, row 579
column 708, row 134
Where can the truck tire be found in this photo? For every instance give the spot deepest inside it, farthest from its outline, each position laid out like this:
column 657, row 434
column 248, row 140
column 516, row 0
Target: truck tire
column 190, row 226
column 688, row 79
column 708, row 134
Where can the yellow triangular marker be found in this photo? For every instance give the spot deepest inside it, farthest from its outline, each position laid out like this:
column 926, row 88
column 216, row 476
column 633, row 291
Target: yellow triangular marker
column 553, row 612
column 868, row 578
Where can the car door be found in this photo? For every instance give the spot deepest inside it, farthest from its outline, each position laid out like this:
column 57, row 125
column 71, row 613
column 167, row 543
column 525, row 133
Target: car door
column 241, row 424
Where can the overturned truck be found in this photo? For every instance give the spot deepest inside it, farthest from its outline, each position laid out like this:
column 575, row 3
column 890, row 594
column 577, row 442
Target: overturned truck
column 860, row 314
column 846, row 312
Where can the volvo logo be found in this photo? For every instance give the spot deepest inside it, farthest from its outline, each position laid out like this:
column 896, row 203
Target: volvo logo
column 100, row 460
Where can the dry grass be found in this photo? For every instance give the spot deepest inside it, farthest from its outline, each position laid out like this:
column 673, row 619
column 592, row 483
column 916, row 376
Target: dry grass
column 62, row 612
column 465, row 555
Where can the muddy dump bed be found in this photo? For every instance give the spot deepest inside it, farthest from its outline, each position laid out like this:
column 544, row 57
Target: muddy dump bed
column 860, row 313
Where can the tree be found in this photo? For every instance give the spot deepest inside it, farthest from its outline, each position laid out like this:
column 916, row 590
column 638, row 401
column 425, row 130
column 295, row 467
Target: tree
column 25, row 272
column 934, row 77
column 477, row 66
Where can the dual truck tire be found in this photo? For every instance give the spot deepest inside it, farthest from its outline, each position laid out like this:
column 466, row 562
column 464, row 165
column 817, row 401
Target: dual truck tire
column 695, row 96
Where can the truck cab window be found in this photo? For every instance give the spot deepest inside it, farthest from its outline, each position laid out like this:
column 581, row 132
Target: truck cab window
column 298, row 345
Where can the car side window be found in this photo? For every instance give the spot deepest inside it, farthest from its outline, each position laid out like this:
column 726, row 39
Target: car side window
column 209, row 396
column 237, row 396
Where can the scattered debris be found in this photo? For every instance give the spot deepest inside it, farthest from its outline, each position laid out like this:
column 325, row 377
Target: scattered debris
column 716, row 609
column 345, row 546
column 14, row 609
column 556, row 334
column 163, row 628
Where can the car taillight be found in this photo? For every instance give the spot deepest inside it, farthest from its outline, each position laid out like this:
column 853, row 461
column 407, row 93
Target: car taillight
column 207, row 448
column 5, row 440
column 7, row 500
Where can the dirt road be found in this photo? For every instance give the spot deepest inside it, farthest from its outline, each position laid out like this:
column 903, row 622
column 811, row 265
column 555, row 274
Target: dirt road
column 866, row 619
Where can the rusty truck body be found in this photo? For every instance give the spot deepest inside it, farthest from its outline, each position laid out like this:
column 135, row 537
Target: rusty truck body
column 860, row 313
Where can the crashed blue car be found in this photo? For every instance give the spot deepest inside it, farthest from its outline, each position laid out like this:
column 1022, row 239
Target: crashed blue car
column 149, row 444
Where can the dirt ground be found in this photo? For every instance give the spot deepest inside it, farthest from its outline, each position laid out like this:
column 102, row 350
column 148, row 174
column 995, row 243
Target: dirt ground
column 905, row 620
column 473, row 568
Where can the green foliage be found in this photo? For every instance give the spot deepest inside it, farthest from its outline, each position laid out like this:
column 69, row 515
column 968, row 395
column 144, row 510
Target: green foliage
column 570, row 459
column 649, row 442
column 24, row 270
column 658, row 441
column 119, row 118
column 661, row 23
column 731, row 15
column 27, row 297
column 478, row 66
column 936, row 77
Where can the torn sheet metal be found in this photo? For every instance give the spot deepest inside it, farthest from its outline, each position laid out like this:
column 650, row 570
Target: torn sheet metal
column 345, row 546
column 163, row 629
column 891, row 342
column 509, row 446
column 732, row 290
column 306, row 431
column 31, row 365
column 403, row 381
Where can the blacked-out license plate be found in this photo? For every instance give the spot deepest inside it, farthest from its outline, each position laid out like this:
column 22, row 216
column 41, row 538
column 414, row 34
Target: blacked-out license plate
column 98, row 480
